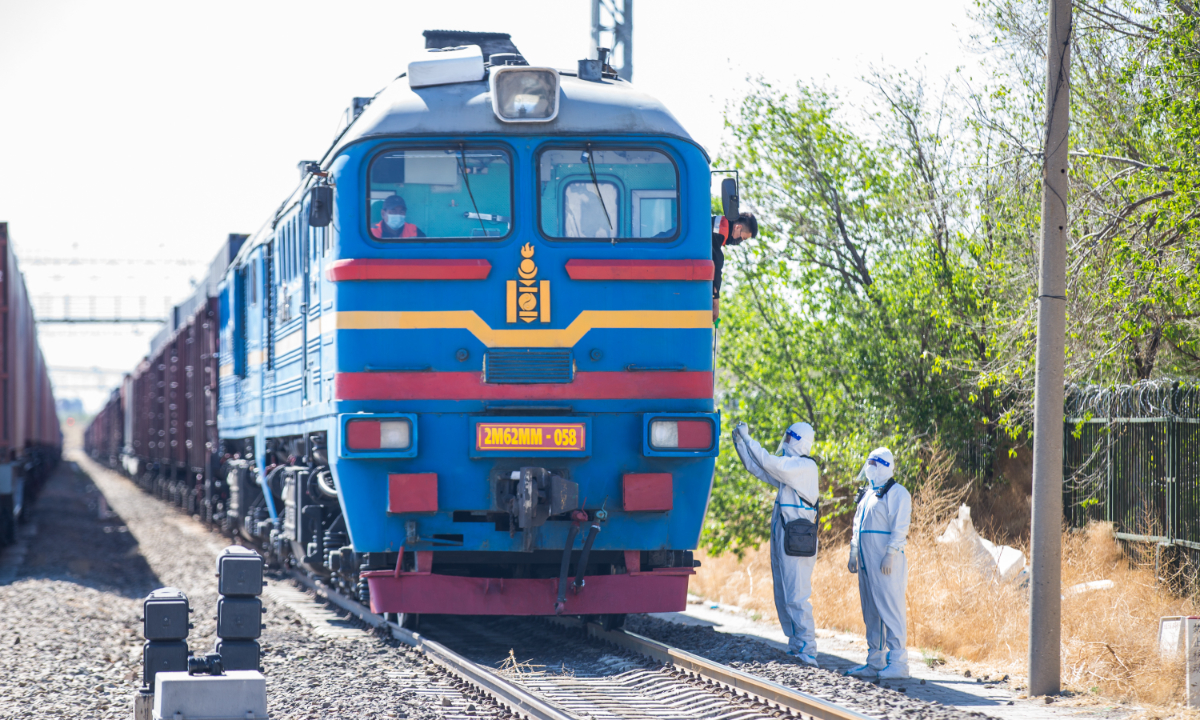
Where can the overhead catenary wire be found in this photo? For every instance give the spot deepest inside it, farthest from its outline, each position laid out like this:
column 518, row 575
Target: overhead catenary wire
column 51, row 260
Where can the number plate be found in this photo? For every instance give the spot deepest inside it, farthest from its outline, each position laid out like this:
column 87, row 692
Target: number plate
column 530, row 436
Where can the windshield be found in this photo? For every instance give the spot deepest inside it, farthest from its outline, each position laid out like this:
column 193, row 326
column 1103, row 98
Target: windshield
column 602, row 193
column 440, row 193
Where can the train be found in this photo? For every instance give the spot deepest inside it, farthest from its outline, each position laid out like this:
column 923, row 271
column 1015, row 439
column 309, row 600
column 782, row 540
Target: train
column 467, row 365
column 30, row 437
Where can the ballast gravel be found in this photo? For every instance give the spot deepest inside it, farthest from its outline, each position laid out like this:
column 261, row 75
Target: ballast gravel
column 96, row 545
column 884, row 701
column 70, row 619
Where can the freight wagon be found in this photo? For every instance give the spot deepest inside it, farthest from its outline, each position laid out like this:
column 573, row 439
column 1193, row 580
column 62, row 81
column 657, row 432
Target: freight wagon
column 30, row 437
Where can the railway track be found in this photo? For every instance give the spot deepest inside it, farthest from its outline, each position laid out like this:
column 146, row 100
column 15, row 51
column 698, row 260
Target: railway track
column 319, row 667
column 666, row 683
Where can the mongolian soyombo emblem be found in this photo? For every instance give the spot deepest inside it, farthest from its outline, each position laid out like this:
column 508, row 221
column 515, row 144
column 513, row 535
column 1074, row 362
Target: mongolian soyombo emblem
column 528, row 297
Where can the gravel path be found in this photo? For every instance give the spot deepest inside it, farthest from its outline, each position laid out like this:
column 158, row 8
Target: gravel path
column 70, row 628
column 885, row 700
column 70, row 633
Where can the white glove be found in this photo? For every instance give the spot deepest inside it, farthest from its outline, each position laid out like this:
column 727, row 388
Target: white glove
column 852, row 563
column 741, row 429
column 888, row 561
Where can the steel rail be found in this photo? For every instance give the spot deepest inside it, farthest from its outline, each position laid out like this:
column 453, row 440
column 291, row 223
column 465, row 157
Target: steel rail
column 522, row 702
column 509, row 694
column 765, row 691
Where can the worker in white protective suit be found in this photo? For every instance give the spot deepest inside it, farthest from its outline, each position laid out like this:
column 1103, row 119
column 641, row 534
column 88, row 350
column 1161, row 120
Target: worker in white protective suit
column 793, row 529
column 877, row 555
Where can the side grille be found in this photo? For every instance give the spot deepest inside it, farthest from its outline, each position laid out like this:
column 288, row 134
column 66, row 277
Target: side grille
column 528, row 366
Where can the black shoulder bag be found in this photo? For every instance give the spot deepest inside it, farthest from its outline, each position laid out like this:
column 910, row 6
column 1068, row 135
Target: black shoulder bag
column 800, row 535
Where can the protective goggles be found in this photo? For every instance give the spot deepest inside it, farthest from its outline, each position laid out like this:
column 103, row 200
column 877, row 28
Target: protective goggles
column 879, row 461
column 793, row 435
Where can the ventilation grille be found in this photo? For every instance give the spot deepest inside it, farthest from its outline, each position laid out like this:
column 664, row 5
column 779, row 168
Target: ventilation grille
column 528, row 366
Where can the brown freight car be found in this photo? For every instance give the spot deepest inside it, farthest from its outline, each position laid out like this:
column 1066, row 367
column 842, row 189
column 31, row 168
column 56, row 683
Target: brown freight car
column 30, row 436
column 160, row 426
column 105, row 436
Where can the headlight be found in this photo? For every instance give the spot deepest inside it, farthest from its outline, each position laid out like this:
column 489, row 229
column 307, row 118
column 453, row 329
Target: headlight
column 378, row 434
column 681, row 434
column 524, row 94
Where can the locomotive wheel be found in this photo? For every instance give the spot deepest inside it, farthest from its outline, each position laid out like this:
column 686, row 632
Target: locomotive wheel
column 612, row 621
column 408, row 621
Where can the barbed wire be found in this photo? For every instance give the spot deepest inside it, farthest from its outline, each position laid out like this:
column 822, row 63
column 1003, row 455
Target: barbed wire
column 1145, row 399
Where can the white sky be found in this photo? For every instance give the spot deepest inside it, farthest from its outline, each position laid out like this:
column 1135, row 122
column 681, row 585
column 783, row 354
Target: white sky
column 154, row 129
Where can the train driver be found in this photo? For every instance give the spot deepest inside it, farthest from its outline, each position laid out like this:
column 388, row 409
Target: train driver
column 723, row 233
column 392, row 223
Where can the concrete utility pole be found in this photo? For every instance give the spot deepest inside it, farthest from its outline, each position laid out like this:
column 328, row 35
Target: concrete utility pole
column 1045, row 606
column 621, row 29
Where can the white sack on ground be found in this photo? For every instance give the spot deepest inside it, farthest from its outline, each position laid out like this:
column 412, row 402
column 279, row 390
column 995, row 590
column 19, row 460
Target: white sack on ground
column 1001, row 562
column 1087, row 587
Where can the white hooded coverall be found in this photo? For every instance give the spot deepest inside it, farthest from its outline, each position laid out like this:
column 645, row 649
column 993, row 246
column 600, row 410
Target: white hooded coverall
column 880, row 528
column 795, row 475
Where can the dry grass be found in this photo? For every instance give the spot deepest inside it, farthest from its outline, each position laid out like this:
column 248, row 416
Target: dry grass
column 511, row 667
column 1109, row 636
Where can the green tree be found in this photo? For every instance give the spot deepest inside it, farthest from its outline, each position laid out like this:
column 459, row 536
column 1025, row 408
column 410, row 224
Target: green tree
column 891, row 295
column 1133, row 290
column 858, row 307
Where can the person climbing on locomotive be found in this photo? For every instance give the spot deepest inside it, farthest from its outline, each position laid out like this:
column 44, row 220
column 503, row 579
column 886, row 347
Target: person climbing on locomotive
column 392, row 221
column 724, row 233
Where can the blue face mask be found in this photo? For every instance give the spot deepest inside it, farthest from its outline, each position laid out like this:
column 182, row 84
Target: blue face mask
column 394, row 221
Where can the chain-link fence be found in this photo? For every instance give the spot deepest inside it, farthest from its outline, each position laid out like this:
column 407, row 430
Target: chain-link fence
column 1131, row 456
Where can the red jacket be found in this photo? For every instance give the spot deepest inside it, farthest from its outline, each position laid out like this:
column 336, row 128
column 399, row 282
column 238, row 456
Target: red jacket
column 721, row 236
column 407, row 230
column 720, row 230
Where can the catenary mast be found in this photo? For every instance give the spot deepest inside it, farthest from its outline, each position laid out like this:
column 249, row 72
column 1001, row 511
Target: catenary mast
column 1045, row 606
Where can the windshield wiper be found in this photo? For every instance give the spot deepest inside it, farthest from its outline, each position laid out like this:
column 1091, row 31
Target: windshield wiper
column 596, row 184
column 462, row 164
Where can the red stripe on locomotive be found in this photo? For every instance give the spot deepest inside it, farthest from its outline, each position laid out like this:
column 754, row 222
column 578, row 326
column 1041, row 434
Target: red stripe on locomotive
column 470, row 386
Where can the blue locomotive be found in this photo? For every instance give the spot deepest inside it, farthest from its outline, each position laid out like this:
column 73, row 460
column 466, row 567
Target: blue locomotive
column 467, row 366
